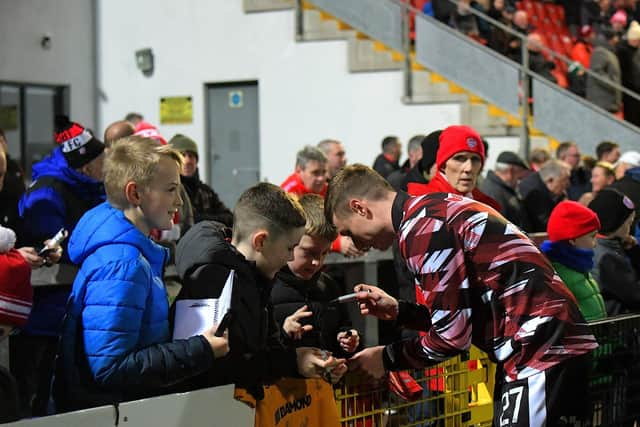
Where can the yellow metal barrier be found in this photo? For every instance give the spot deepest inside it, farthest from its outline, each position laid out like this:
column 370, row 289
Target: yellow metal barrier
column 455, row 393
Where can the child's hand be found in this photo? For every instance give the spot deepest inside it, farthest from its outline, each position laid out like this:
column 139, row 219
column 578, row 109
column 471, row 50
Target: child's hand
column 316, row 363
column 349, row 340
column 292, row 325
column 219, row 345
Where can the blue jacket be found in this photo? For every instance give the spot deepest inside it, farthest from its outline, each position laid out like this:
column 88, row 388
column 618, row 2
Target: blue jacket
column 44, row 209
column 117, row 314
column 58, row 197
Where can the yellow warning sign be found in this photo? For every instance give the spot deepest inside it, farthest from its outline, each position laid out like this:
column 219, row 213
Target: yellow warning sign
column 176, row 110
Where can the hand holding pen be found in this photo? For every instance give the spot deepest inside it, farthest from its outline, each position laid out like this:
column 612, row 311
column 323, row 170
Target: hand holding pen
column 374, row 301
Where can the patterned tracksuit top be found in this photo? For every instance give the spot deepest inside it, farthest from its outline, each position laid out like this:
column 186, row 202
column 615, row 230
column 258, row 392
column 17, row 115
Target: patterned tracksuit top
column 484, row 283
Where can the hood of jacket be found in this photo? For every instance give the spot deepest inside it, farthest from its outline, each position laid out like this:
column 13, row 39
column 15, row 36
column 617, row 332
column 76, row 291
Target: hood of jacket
column 106, row 225
column 56, row 166
column 207, row 242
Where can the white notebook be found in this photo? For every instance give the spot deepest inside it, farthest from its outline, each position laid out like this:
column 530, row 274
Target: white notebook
column 195, row 316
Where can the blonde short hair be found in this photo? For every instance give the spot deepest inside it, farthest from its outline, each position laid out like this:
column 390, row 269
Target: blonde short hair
column 317, row 225
column 136, row 159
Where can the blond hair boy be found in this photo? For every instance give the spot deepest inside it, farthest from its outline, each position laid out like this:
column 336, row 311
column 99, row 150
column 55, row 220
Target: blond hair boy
column 116, row 343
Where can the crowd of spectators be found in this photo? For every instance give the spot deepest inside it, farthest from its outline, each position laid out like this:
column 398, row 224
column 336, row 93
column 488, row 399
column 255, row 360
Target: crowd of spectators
column 135, row 202
column 602, row 36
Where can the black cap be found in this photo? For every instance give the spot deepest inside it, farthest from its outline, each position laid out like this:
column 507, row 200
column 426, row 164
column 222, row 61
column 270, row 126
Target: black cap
column 511, row 158
column 430, row 145
column 613, row 208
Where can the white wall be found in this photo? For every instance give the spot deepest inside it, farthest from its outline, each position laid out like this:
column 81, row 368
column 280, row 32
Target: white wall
column 70, row 60
column 306, row 92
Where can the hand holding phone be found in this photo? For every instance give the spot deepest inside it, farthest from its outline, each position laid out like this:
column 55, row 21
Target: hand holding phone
column 54, row 243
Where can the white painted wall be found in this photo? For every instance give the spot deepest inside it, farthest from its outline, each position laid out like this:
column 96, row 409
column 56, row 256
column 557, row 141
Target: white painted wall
column 68, row 62
column 306, row 92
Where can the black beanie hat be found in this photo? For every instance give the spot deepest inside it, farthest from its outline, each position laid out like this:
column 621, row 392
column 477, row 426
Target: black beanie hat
column 613, row 208
column 430, row 145
column 78, row 145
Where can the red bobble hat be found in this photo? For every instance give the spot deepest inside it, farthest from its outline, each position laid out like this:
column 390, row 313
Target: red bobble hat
column 570, row 220
column 455, row 139
column 147, row 130
column 16, row 293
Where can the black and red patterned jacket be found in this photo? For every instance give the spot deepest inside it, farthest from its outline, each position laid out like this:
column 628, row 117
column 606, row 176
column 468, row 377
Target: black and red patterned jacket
column 484, row 283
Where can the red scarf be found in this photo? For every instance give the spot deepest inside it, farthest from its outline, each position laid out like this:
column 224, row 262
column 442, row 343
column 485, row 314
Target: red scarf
column 439, row 184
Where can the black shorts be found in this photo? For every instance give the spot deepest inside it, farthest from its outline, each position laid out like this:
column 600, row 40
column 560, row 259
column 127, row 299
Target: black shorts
column 554, row 397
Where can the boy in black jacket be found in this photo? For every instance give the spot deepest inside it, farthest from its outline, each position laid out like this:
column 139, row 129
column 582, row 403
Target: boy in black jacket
column 268, row 224
column 301, row 285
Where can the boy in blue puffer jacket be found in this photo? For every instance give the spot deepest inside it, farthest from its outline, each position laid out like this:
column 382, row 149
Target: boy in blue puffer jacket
column 116, row 344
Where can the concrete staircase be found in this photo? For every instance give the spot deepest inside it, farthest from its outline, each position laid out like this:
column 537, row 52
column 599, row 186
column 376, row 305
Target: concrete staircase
column 368, row 55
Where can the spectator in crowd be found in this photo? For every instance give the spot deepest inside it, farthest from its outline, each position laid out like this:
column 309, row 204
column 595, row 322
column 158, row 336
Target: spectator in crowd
column 617, row 276
column 537, row 62
column 113, row 351
column 501, row 183
column 414, row 154
column 310, row 174
column 629, row 58
column 459, row 160
column 267, row 226
column 605, row 64
column 542, row 191
column 310, row 177
column 336, row 156
column 476, row 293
column 12, row 190
column 425, row 169
column 572, row 231
column 387, row 161
column 602, row 175
column 628, row 160
column 499, row 39
column 569, row 153
column 572, row 14
column 134, row 118
column 618, row 21
column 538, row 157
column 67, row 183
column 16, row 298
column 464, row 20
column 520, row 25
column 581, row 55
column 608, row 151
column 204, row 200
column 118, row 130
column 596, row 13
column 301, row 283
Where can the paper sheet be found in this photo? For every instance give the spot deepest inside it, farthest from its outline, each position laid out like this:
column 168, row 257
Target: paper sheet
column 195, row 316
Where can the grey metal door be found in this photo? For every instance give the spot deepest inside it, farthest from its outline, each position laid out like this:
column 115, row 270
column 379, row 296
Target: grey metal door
column 233, row 147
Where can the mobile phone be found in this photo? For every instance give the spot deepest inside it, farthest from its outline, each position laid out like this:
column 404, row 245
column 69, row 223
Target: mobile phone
column 56, row 241
column 224, row 324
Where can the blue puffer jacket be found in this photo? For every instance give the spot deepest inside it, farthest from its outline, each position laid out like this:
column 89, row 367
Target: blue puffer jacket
column 118, row 310
column 45, row 209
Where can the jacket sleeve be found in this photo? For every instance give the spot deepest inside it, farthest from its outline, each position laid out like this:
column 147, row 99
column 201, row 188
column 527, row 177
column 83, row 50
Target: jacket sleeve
column 618, row 280
column 112, row 320
column 43, row 213
column 537, row 209
column 447, row 322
